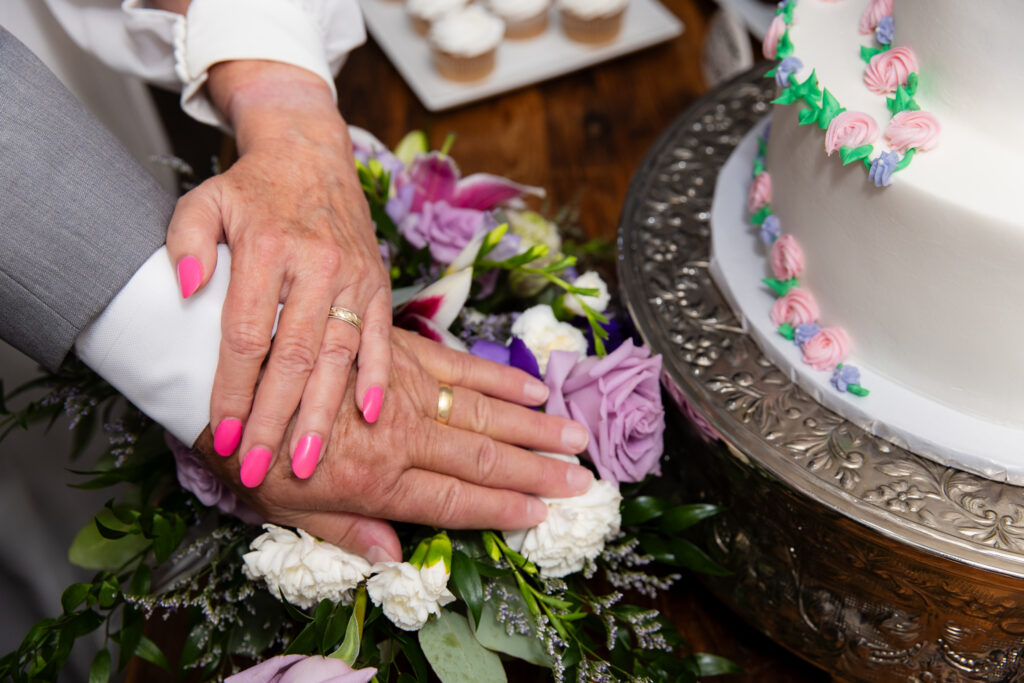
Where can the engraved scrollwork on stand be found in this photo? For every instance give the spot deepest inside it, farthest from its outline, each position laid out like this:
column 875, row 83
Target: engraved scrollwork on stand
column 862, row 557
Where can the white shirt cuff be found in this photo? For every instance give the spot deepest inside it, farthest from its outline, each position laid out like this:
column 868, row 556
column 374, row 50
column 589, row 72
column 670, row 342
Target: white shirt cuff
column 158, row 349
column 223, row 30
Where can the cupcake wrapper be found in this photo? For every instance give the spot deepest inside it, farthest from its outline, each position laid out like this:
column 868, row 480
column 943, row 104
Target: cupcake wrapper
column 592, row 30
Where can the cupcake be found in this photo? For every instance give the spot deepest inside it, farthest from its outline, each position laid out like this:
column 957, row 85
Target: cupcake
column 423, row 13
column 592, row 21
column 523, row 18
column 465, row 43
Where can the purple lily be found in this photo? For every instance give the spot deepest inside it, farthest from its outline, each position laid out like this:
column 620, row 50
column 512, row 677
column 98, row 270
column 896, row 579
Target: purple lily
column 436, row 177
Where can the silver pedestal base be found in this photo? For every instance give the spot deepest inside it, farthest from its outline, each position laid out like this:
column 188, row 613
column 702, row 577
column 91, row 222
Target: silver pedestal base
column 868, row 560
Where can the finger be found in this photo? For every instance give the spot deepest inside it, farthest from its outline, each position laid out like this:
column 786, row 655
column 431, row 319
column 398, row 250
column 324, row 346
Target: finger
column 322, row 397
column 247, row 322
column 477, row 459
column 430, row 498
column 515, row 424
column 374, row 356
column 297, row 343
column 371, row 538
column 192, row 237
column 487, row 377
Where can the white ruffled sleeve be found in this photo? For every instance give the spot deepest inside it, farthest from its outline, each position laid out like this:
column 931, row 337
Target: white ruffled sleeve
column 176, row 51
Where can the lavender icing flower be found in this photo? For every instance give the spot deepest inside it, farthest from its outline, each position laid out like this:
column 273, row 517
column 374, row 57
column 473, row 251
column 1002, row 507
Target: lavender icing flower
column 882, row 167
column 770, row 229
column 845, row 375
column 804, row 333
column 786, row 68
column 884, row 31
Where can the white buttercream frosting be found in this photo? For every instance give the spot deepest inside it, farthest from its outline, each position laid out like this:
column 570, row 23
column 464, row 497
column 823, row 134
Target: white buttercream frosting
column 468, row 32
column 592, row 9
column 432, row 10
column 518, row 10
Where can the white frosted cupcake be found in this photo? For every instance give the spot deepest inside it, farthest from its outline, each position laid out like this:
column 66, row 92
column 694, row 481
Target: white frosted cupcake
column 523, row 18
column 465, row 43
column 592, row 21
column 423, row 13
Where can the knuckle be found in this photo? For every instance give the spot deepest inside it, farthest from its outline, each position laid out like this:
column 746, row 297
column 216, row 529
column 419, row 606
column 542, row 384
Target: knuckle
column 376, row 330
column 449, row 503
column 487, row 461
column 336, row 352
column 294, row 357
column 246, row 340
column 480, row 416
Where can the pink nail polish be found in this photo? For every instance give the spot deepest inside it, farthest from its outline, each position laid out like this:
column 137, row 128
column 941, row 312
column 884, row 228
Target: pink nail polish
column 254, row 466
column 227, row 436
column 306, row 456
column 373, row 400
column 190, row 274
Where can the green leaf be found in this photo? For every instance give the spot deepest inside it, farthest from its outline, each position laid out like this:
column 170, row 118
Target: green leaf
column 691, row 557
column 92, row 551
column 491, row 240
column 787, row 330
column 642, row 509
column 785, row 46
column 829, row 109
column 99, row 671
column 414, row 142
column 493, row 635
column 781, row 287
column 74, row 595
column 807, row 116
column 349, row 649
column 685, row 516
column 129, row 636
column 107, row 532
column 141, row 580
column 455, row 654
column 857, row 390
column 852, row 154
column 762, row 213
column 151, row 652
column 466, row 581
column 335, row 628
column 703, row 664
column 867, row 52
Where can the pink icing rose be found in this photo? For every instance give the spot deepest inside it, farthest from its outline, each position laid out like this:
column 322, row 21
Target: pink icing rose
column 873, row 13
column 787, row 258
column 890, row 69
column 797, row 307
column 850, row 129
column 770, row 46
column 908, row 129
column 827, row 349
column 760, row 192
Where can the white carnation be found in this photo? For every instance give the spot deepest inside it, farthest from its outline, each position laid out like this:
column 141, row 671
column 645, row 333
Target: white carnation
column 542, row 334
column 409, row 595
column 574, row 531
column 589, row 280
column 302, row 568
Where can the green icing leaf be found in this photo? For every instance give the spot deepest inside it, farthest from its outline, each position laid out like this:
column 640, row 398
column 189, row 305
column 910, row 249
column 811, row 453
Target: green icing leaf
column 787, row 330
column 903, row 100
column 912, row 80
column 829, row 109
column 852, row 154
column 455, row 654
column 905, row 161
column 781, row 287
column 762, row 213
column 787, row 96
column 786, row 12
column 785, row 46
column 808, row 116
column 762, row 146
column 808, row 91
column 857, row 390
column 758, row 167
column 867, row 52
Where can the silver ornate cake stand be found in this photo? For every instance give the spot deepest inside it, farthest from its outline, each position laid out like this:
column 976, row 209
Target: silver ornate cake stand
column 867, row 560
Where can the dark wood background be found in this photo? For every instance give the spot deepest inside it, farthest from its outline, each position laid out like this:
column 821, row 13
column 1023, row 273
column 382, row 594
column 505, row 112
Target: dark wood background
column 581, row 137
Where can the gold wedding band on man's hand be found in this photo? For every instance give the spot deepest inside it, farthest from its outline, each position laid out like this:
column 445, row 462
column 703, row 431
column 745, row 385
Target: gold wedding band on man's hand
column 353, row 319
column 445, row 398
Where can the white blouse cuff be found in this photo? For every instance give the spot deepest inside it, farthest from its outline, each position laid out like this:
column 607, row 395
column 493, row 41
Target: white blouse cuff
column 222, row 30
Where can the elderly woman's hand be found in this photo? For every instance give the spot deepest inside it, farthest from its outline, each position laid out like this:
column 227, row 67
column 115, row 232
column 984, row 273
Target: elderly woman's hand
column 292, row 210
column 474, row 472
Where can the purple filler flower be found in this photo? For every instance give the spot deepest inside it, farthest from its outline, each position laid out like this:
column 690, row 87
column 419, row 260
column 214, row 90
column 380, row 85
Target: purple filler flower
column 770, row 229
column 805, row 332
column 618, row 399
column 882, row 167
column 302, row 669
column 884, row 31
column 444, row 228
column 200, row 482
column 845, row 375
column 786, row 68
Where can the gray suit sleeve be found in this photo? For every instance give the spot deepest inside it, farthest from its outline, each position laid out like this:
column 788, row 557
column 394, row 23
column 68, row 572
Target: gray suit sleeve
column 78, row 216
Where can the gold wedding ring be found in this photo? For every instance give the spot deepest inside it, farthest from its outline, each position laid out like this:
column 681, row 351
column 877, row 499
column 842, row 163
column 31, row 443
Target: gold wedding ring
column 339, row 313
column 445, row 398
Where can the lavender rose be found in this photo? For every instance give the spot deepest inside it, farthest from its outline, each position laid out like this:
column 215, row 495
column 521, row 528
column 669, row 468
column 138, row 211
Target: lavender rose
column 302, row 669
column 445, row 228
column 200, row 482
column 618, row 399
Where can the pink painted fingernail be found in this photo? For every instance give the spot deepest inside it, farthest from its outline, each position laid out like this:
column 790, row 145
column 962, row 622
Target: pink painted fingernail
column 190, row 274
column 254, row 466
column 227, row 436
column 306, row 456
column 373, row 400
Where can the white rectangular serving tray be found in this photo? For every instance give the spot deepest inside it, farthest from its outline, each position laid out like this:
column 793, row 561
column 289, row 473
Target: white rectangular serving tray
column 519, row 62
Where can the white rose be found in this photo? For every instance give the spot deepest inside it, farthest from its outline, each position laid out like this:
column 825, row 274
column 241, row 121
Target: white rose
column 574, row 531
column 589, row 280
column 302, row 568
column 542, row 334
column 409, row 595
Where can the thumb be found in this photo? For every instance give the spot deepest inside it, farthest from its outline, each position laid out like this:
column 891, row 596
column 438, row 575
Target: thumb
column 192, row 237
column 367, row 537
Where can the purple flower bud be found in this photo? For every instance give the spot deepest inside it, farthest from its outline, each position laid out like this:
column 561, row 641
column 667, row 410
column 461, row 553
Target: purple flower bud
column 770, row 229
column 884, row 31
column 844, row 376
column 805, row 332
column 786, row 68
column 882, row 167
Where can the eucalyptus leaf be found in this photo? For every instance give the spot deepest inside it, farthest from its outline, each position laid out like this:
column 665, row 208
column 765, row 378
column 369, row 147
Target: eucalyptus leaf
column 99, row 671
column 91, row 550
column 74, row 595
column 493, row 635
column 151, row 652
column 455, row 654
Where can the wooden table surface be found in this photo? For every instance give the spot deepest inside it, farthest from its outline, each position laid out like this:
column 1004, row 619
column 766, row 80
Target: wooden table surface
column 581, row 137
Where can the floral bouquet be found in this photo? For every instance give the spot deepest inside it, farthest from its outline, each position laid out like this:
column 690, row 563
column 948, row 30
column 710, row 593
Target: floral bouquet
column 473, row 269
